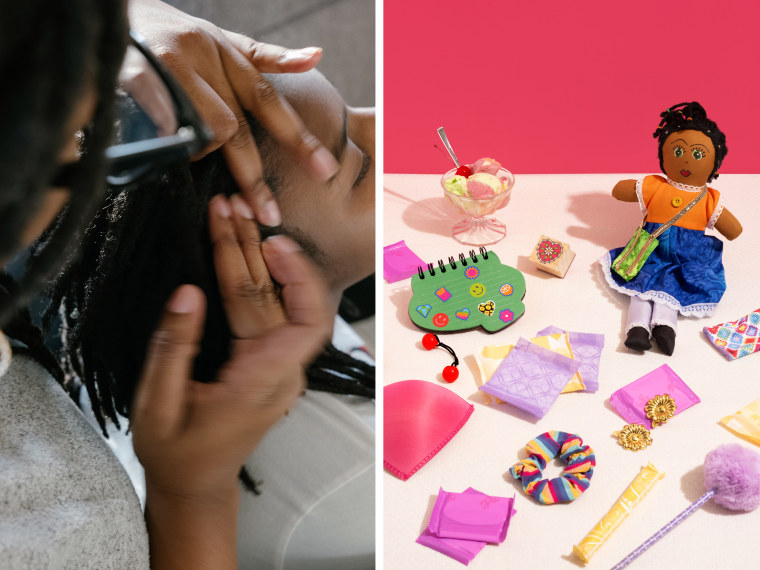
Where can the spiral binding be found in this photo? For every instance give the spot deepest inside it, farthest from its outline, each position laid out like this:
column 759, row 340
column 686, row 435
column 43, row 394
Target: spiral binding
column 473, row 255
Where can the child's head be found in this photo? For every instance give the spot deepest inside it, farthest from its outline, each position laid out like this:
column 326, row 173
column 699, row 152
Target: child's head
column 334, row 221
column 147, row 240
column 691, row 146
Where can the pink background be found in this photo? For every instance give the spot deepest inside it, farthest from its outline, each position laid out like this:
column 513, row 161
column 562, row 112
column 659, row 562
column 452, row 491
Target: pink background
column 565, row 87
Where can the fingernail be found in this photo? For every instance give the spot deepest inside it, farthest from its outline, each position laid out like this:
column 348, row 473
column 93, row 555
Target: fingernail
column 282, row 244
column 323, row 163
column 183, row 301
column 220, row 206
column 269, row 214
column 293, row 55
column 241, row 207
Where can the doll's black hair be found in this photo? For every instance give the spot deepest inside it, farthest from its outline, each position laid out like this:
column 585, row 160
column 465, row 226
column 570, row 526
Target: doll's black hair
column 691, row 116
column 50, row 50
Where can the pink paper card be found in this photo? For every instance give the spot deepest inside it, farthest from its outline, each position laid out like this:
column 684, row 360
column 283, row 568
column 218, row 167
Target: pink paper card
column 630, row 400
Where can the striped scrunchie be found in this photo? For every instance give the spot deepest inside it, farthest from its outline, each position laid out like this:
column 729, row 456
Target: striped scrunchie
column 576, row 477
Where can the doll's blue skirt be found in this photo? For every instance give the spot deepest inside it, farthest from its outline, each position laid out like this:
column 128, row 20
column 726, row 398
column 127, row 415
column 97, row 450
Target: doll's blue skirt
column 685, row 272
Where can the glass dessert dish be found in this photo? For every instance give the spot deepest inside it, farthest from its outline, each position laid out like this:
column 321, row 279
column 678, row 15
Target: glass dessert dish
column 478, row 228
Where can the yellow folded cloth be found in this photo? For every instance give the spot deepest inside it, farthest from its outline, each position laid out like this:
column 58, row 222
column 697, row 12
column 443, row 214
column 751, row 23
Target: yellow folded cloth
column 746, row 422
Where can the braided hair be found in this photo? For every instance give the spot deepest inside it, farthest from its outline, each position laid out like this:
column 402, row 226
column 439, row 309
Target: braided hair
column 691, row 116
column 144, row 242
column 50, row 52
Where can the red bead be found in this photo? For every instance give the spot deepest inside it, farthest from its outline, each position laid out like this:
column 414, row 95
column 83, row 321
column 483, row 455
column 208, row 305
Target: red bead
column 429, row 341
column 450, row 373
column 464, row 170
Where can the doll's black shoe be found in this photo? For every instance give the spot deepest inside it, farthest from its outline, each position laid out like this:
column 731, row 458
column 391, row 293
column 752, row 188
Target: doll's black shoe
column 638, row 339
column 665, row 337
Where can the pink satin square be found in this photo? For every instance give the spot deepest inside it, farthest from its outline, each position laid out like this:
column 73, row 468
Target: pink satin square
column 419, row 419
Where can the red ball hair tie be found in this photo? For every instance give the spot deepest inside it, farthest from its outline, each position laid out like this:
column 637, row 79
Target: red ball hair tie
column 450, row 373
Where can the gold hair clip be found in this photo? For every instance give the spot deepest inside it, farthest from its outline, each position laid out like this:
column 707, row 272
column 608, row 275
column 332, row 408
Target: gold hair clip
column 634, row 437
column 660, row 409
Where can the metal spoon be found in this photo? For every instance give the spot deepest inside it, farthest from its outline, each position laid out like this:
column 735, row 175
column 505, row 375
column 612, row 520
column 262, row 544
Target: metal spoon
column 445, row 141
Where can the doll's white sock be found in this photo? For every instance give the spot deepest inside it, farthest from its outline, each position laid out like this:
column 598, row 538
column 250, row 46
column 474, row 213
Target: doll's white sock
column 639, row 314
column 664, row 315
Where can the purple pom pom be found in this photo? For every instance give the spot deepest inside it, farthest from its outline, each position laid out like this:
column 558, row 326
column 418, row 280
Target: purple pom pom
column 734, row 471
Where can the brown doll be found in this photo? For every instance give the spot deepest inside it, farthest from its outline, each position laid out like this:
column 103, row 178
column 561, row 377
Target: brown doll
column 684, row 274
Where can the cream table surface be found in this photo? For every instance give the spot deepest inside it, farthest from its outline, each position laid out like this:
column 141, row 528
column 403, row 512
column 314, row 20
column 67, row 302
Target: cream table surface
column 578, row 210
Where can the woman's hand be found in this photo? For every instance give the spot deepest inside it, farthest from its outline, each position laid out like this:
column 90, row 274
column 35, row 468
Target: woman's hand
column 192, row 438
column 221, row 73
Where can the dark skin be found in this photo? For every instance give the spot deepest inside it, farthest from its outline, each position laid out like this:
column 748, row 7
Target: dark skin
column 688, row 157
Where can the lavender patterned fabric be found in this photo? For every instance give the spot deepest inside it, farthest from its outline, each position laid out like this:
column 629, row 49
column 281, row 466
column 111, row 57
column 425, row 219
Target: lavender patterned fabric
column 587, row 350
column 531, row 377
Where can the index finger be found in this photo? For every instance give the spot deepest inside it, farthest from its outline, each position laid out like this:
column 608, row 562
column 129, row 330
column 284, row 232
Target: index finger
column 270, row 58
column 259, row 98
column 303, row 294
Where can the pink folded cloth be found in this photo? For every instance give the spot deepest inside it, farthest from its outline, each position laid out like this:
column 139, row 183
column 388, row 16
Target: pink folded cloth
column 399, row 262
column 738, row 338
column 630, row 400
column 461, row 524
column 471, row 516
column 419, row 419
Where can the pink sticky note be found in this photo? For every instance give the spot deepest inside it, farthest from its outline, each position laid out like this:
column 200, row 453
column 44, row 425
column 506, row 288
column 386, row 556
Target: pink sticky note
column 630, row 400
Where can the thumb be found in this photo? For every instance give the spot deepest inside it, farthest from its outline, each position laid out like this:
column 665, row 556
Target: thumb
column 161, row 394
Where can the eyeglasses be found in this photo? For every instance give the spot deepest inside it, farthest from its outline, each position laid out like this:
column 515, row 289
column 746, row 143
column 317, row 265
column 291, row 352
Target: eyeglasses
column 156, row 124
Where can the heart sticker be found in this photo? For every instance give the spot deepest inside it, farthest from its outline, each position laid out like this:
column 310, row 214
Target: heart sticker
column 487, row 308
column 463, row 314
column 548, row 250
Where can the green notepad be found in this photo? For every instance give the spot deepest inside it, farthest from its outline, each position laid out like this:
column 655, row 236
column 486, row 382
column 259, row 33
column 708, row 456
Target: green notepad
column 476, row 290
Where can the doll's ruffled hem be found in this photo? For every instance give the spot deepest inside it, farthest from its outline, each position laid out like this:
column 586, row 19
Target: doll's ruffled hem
column 696, row 310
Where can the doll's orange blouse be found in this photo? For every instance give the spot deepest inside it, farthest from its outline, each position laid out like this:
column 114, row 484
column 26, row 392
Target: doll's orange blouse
column 663, row 201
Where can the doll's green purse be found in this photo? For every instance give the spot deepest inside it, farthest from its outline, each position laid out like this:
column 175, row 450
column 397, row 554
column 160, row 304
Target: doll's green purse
column 636, row 252
column 630, row 261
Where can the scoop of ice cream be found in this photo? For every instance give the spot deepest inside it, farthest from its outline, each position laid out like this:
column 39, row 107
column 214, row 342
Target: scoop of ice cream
column 484, row 185
column 457, row 185
column 488, row 165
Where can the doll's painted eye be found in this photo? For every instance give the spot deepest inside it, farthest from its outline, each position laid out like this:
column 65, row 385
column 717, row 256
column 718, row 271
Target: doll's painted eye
column 698, row 153
column 678, row 152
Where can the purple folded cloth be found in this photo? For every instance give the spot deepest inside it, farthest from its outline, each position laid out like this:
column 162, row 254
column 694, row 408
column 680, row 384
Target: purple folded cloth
column 587, row 350
column 531, row 377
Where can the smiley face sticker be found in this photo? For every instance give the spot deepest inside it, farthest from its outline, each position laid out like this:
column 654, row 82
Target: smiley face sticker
column 477, row 289
column 440, row 320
